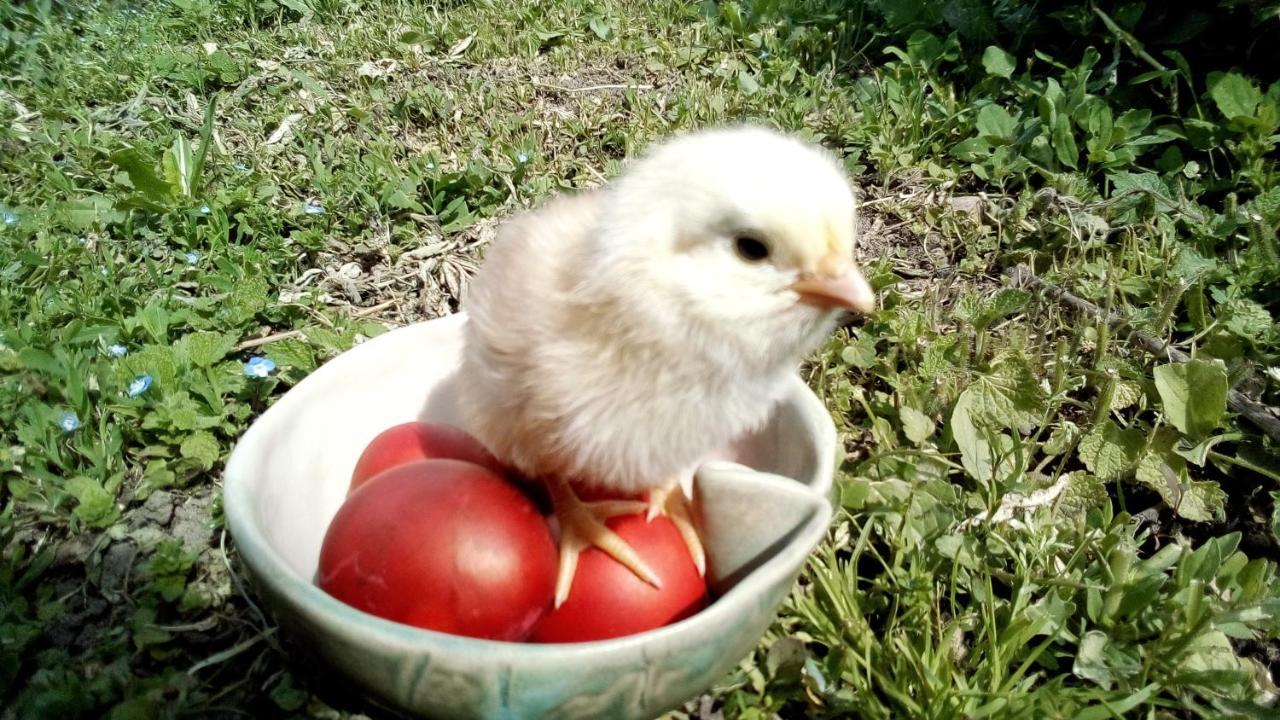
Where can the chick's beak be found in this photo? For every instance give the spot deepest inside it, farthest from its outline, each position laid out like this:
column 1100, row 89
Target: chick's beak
column 838, row 285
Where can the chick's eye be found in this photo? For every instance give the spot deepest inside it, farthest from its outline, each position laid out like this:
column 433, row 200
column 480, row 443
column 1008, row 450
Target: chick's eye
column 750, row 249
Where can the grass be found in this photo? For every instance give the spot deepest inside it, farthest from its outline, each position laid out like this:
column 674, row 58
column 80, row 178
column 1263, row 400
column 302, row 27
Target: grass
column 1037, row 519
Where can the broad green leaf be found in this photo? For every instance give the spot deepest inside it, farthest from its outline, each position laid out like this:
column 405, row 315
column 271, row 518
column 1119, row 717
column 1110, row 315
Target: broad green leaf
column 1166, row 478
column 1275, row 514
column 95, row 505
column 916, row 425
column 1005, row 303
column 203, row 349
column 1091, row 661
column 1007, row 397
column 977, row 455
column 183, row 413
column 968, row 308
column 293, row 353
column 1126, row 394
column 1084, row 492
column 1247, row 318
column 1061, row 438
column 600, row 27
column 154, row 318
column 155, row 360
column 747, row 83
column 1064, row 141
column 142, row 174
column 1203, row 501
column 1109, row 452
column 179, row 164
column 998, row 62
column 1194, row 394
column 83, row 214
column 994, row 122
column 861, row 353
column 202, row 447
column 1234, row 94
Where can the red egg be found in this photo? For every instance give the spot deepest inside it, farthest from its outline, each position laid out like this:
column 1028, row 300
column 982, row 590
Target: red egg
column 607, row 600
column 444, row 545
column 412, row 441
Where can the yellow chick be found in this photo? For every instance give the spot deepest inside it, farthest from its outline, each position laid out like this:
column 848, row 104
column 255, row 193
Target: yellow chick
column 619, row 336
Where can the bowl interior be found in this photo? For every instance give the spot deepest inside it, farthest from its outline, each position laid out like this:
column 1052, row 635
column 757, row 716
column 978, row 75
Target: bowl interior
column 297, row 458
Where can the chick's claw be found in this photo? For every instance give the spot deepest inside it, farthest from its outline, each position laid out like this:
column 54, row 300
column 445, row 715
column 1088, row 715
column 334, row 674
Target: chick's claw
column 671, row 501
column 582, row 527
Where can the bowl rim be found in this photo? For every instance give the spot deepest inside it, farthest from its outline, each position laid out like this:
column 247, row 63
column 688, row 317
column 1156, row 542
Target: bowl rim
column 268, row 567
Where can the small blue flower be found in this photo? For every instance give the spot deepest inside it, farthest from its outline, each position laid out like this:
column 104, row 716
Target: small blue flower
column 204, row 210
column 522, row 158
column 117, row 350
column 431, row 165
column 312, row 207
column 259, row 367
column 68, row 421
column 241, row 167
column 102, row 272
column 9, row 217
column 764, row 54
column 192, row 257
column 139, row 385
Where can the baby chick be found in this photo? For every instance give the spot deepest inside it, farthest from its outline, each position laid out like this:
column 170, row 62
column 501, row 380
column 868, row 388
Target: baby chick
column 618, row 336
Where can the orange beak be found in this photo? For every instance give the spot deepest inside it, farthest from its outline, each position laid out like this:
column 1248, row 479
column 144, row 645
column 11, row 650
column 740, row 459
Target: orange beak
column 844, row 288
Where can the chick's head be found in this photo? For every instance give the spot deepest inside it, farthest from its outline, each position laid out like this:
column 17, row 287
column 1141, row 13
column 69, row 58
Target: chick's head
column 740, row 232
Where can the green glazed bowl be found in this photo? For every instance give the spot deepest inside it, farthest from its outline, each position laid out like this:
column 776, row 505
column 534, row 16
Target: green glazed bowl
column 759, row 518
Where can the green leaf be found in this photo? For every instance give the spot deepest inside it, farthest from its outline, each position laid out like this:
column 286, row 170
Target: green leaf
column 995, row 123
column 916, row 425
column 600, row 27
column 87, row 213
column 747, row 83
column 1165, row 475
column 203, row 349
column 1008, row 397
column 861, row 353
column 1118, row 708
column 293, row 353
column 1083, row 493
column 1275, row 514
column 1234, row 94
column 1091, row 662
column 998, row 62
column 1064, row 141
column 179, row 166
column 1061, row 439
column 1203, row 501
column 202, row 447
column 95, row 505
column 142, row 174
column 1126, row 394
column 155, row 360
column 1109, row 452
column 1247, row 318
column 1194, row 394
column 1005, row 303
column 976, row 452
column 154, row 318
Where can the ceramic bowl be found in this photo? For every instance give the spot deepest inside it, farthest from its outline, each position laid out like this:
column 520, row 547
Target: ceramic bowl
column 759, row 517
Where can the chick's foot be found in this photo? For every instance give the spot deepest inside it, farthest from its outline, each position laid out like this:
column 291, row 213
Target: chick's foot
column 672, row 502
column 582, row 527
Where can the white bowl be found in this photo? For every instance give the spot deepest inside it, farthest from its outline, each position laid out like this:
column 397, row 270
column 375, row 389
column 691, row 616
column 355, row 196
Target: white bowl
column 290, row 471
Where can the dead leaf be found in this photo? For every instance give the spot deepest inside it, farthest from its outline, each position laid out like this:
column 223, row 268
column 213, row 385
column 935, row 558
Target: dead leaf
column 284, row 129
column 377, row 68
column 461, row 46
